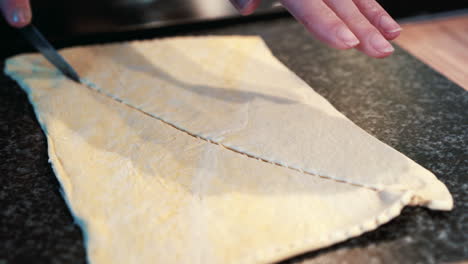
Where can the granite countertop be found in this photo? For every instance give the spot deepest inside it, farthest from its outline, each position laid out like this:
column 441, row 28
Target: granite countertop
column 399, row 100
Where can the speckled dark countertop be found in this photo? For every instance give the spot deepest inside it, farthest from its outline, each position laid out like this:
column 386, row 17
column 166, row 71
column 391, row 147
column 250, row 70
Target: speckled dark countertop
column 399, row 100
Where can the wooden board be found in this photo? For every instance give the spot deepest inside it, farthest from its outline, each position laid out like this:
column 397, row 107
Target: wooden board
column 442, row 44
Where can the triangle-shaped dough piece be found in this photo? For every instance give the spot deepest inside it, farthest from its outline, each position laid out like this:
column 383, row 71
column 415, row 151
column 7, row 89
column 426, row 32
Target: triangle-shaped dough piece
column 209, row 150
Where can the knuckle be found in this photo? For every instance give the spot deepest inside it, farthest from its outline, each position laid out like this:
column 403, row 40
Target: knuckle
column 367, row 5
column 369, row 32
column 370, row 8
column 376, row 15
column 359, row 22
column 334, row 26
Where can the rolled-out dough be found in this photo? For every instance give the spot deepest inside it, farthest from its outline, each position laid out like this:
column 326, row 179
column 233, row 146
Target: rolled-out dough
column 209, row 150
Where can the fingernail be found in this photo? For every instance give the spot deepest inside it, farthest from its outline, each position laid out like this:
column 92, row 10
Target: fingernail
column 389, row 25
column 20, row 16
column 240, row 4
column 345, row 35
column 381, row 44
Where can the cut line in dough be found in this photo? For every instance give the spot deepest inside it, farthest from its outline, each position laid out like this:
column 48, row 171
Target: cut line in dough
column 93, row 87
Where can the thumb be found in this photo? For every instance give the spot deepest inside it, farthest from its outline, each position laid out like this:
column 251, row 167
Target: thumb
column 16, row 12
column 245, row 7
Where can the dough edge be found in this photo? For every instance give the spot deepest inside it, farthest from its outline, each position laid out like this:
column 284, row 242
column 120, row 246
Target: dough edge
column 444, row 200
column 273, row 254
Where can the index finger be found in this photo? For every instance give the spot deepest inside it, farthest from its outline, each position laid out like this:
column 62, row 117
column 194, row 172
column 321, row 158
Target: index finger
column 322, row 22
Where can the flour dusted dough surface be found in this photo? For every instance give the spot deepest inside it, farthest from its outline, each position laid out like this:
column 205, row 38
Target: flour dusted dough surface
column 209, row 150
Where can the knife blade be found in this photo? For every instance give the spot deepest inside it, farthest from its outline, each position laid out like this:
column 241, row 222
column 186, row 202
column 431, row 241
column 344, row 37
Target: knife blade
column 39, row 42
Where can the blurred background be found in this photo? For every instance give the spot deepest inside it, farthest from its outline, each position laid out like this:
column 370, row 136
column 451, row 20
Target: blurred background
column 434, row 31
column 59, row 19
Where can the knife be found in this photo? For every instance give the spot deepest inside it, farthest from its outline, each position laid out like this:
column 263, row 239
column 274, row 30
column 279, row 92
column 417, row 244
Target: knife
column 38, row 41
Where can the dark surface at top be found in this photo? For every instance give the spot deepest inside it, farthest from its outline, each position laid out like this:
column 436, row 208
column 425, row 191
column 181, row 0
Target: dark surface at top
column 87, row 16
column 399, row 100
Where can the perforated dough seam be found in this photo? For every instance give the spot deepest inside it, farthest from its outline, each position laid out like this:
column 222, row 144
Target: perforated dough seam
column 95, row 88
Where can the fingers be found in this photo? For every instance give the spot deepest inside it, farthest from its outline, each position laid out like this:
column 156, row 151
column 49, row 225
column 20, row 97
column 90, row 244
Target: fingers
column 372, row 41
column 342, row 24
column 16, row 12
column 322, row 22
column 245, row 7
column 379, row 18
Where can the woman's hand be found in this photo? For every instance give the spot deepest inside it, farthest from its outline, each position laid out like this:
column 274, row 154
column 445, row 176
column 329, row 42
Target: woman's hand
column 16, row 12
column 342, row 24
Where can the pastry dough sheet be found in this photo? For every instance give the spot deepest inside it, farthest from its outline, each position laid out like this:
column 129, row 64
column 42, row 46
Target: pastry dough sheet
column 209, row 150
